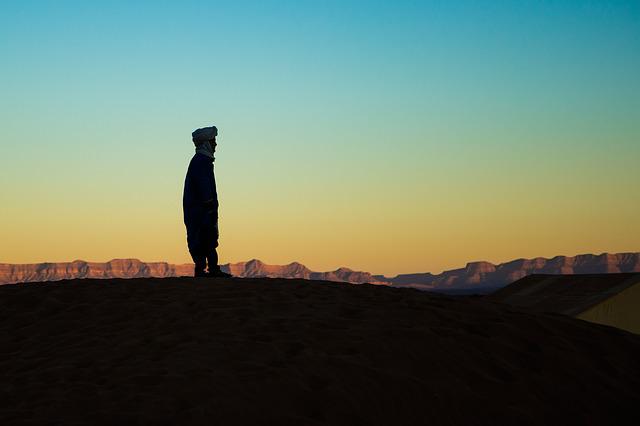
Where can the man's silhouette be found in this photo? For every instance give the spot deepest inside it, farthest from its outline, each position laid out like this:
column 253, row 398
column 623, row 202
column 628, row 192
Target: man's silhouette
column 200, row 205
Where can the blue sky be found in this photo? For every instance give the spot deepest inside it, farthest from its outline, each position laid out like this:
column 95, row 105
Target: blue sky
column 355, row 104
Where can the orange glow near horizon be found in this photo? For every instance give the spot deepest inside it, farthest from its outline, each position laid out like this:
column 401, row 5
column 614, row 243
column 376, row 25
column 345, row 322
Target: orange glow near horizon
column 340, row 227
column 402, row 138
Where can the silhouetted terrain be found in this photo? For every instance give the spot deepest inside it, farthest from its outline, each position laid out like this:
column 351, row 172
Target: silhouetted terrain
column 485, row 275
column 267, row 351
column 610, row 299
column 134, row 268
column 475, row 277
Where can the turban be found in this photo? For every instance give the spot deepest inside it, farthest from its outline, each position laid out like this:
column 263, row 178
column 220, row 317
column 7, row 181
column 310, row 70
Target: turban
column 204, row 134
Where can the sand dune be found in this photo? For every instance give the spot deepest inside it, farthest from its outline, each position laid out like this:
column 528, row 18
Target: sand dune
column 294, row 352
column 611, row 299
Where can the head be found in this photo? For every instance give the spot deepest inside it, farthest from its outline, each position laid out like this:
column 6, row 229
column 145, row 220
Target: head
column 205, row 134
column 205, row 140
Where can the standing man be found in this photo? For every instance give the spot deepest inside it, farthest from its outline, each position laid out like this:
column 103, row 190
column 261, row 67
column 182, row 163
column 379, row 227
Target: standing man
column 200, row 205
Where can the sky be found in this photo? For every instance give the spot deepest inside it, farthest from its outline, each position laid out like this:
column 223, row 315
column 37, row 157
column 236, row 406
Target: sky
column 389, row 137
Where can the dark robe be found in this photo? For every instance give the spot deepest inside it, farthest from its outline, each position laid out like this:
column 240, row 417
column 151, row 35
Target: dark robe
column 200, row 208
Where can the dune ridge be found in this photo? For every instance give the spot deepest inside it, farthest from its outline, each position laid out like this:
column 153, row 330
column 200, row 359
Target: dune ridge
column 261, row 351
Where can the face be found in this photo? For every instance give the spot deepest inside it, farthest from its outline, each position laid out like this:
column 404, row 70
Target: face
column 213, row 143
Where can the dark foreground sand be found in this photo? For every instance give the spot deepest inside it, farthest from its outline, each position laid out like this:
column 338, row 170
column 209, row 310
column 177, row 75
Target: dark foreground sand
column 293, row 352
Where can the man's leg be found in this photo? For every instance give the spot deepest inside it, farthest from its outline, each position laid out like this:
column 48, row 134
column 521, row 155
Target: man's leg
column 197, row 253
column 201, row 264
column 212, row 260
column 214, row 268
column 212, row 253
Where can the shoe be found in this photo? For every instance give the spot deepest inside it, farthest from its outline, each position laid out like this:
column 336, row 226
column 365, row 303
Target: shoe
column 219, row 274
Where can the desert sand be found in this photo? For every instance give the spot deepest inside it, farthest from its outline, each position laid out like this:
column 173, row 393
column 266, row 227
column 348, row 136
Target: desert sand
column 295, row 352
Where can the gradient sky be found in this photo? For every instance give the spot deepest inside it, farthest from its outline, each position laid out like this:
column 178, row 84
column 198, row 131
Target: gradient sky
column 391, row 137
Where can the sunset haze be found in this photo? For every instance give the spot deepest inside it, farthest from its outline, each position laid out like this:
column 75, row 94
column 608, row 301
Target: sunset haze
column 388, row 137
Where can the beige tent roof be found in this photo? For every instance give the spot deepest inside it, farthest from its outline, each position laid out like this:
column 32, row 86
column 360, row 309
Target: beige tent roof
column 612, row 299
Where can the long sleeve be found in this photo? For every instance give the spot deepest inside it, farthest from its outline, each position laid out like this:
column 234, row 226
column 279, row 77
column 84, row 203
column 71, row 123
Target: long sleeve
column 206, row 187
column 200, row 199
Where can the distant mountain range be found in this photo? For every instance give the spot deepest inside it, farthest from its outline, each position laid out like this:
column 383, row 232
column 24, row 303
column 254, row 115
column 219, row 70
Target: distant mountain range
column 134, row 268
column 487, row 276
column 475, row 276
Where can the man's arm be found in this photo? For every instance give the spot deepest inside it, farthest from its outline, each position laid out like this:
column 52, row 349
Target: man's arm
column 207, row 193
column 209, row 198
column 212, row 206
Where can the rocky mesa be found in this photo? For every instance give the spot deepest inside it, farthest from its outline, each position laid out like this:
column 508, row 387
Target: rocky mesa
column 485, row 275
column 481, row 276
column 134, row 268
